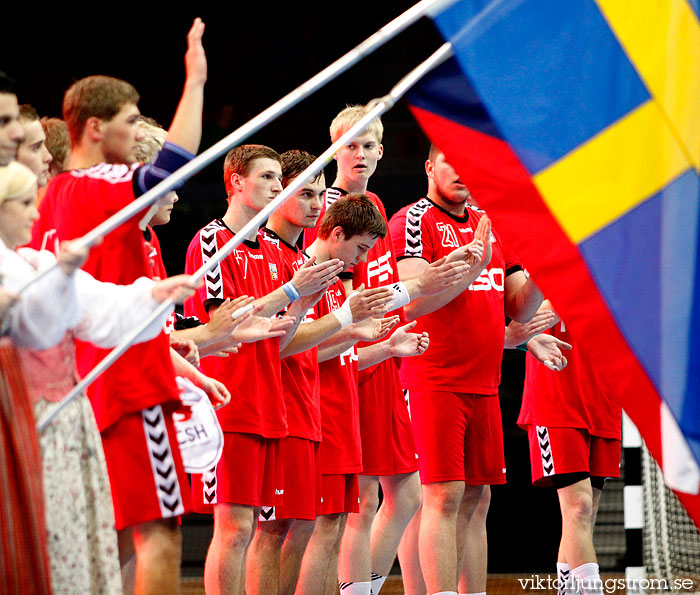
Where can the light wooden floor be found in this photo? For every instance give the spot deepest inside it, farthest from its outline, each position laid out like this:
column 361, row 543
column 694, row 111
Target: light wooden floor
column 499, row 584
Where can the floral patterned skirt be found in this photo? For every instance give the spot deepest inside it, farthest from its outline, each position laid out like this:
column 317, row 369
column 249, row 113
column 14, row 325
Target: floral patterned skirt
column 82, row 540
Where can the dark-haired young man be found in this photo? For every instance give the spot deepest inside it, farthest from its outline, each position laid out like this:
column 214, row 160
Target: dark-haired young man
column 349, row 229
column 284, row 530
column 32, row 151
column 10, row 130
column 247, row 476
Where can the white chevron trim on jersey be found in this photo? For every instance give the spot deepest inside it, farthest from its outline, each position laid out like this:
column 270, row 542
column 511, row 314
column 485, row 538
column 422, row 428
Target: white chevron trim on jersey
column 333, row 194
column 414, row 244
column 213, row 280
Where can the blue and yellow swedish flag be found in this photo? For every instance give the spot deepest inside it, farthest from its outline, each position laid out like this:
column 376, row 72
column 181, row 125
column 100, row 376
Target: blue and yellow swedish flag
column 587, row 157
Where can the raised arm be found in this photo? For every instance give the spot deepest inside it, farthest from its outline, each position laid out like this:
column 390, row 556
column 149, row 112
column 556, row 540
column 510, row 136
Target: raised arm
column 186, row 127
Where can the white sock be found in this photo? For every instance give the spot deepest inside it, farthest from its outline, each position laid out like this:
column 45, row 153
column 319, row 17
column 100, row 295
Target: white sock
column 377, row 583
column 480, row 593
column 587, row 579
column 363, row 588
column 446, row 593
column 564, row 578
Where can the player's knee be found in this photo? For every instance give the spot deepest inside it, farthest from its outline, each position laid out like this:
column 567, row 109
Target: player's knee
column 369, row 503
column 411, row 503
column 302, row 530
column 408, row 503
column 159, row 540
column 578, row 508
column 329, row 530
column 482, row 507
column 444, row 499
column 233, row 532
column 274, row 531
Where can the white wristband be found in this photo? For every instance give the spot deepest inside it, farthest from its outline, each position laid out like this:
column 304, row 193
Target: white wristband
column 399, row 297
column 241, row 311
column 344, row 313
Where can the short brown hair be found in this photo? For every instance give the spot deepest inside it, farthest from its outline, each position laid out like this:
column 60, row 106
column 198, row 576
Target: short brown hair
column 356, row 214
column 27, row 113
column 295, row 162
column 95, row 96
column 239, row 159
column 57, row 142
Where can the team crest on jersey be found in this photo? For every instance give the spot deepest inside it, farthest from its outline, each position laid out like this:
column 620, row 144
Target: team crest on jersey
column 449, row 237
column 273, row 271
column 333, row 298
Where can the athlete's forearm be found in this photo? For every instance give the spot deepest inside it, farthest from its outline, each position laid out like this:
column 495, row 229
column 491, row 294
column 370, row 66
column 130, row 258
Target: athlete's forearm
column 522, row 304
column 199, row 334
column 273, row 303
column 429, row 304
column 310, row 335
column 373, row 354
column 186, row 128
column 338, row 343
column 183, row 367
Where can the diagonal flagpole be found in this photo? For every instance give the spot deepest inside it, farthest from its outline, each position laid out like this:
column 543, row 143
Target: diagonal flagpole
column 376, row 40
column 377, row 108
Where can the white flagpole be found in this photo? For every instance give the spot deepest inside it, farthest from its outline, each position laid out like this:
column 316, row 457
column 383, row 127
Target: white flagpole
column 378, row 107
column 386, row 33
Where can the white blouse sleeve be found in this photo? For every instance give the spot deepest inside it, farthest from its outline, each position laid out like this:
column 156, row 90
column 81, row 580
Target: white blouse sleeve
column 112, row 311
column 48, row 308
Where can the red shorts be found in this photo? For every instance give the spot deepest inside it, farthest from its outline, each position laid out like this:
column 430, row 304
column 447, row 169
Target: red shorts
column 340, row 493
column 246, row 474
column 458, row 436
column 301, row 475
column 146, row 473
column 554, row 451
column 388, row 447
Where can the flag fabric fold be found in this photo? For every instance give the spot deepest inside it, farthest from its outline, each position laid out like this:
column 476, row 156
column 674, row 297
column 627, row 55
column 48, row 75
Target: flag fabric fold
column 575, row 125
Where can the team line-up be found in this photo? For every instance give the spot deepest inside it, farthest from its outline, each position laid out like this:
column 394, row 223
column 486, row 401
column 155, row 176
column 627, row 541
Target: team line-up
column 344, row 353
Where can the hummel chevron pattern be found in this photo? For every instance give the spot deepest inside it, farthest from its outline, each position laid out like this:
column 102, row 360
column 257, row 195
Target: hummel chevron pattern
column 564, row 585
column 267, row 513
column 333, row 194
column 207, row 240
column 414, row 245
column 162, row 463
column 209, row 486
column 545, row 450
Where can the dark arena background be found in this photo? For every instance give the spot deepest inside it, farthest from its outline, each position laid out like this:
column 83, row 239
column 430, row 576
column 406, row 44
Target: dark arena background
column 257, row 54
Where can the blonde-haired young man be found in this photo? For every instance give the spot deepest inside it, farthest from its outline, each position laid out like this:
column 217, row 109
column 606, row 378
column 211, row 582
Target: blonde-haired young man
column 388, row 449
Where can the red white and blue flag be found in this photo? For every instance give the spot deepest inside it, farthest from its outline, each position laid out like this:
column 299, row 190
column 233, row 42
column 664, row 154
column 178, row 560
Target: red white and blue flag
column 576, row 127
